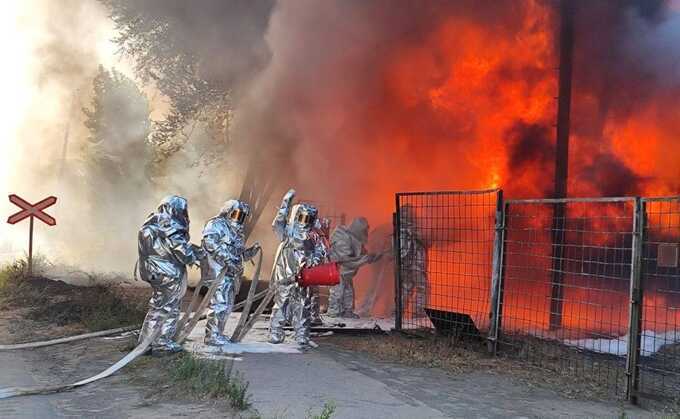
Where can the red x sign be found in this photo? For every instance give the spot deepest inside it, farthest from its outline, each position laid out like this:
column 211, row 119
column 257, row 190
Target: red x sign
column 32, row 210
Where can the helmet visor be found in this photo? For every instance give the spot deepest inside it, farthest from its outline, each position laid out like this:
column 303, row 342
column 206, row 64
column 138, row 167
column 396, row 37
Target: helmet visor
column 238, row 216
column 304, row 218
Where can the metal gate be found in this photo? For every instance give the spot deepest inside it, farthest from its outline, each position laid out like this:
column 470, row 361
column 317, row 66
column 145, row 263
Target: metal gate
column 590, row 287
column 443, row 266
column 657, row 370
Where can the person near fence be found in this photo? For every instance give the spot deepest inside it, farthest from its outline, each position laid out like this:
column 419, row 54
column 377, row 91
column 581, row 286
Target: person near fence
column 413, row 256
column 348, row 249
column 293, row 226
column 164, row 253
column 224, row 245
column 320, row 233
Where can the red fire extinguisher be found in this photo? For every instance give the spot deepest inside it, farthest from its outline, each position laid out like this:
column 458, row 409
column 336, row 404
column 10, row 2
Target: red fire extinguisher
column 327, row 274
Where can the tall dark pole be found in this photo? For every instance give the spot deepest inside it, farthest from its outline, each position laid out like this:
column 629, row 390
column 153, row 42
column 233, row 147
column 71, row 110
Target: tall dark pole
column 561, row 159
column 30, row 248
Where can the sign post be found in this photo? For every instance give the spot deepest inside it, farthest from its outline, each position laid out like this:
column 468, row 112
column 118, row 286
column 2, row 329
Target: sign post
column 31, row 211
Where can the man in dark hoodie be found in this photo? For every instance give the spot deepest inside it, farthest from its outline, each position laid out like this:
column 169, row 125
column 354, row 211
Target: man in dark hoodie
column 164, row 253
column 348, row 250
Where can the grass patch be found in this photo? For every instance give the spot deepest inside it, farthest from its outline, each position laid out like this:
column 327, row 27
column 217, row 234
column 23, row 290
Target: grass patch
column 327, row 412
column 210, row 379
column 463, row 357
column 433, row 352
column 97, row 307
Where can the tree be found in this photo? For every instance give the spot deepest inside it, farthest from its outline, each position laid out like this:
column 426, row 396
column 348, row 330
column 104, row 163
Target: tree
column 151, row 40
column 116, row 154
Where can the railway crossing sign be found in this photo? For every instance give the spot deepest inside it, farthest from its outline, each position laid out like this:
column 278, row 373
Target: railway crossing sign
column 31, row 211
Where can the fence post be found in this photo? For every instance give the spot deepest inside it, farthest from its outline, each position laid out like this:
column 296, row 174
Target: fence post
column 635, row 320
column 396, row 240
column 497, row 275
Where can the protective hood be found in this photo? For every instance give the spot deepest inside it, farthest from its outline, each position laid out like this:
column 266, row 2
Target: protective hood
column 359, row 229
column 235, row 212
column 172, row 215
column 301, row 230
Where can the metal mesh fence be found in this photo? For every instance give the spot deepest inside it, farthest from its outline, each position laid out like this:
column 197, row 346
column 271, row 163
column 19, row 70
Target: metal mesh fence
column 565, row 287
column 445, row 243
column 588, row 288
column 659, row 367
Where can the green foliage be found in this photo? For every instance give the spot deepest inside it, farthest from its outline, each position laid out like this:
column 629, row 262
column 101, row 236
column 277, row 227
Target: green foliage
column 326, row 413
column 116, row 156
column 119, row 111
column 165, row 60
column 118, row 121
column 10, row 273
column 210, row 379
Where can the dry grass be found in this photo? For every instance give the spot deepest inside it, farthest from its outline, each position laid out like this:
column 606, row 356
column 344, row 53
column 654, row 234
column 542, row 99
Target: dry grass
column 421, row 352
column 463, row 357
column 184, row 377
column 97, row 307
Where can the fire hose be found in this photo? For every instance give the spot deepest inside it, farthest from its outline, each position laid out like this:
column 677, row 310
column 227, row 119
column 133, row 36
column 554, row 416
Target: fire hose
column 8, row 392
column 243, row 327
column 101, row 333
column 184, row 331
column 31, row 345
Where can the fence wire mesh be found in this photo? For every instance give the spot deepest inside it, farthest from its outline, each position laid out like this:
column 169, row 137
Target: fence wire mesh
column 588, row 288
column 444, row 264
column 660, row 332
column 565, row 288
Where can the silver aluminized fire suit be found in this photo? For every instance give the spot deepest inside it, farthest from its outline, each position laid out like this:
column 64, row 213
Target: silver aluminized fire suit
column 224, row 245
column 348, row 250
column 413, row 264
column 297, row 250
column 320, row 233
column 164, row 253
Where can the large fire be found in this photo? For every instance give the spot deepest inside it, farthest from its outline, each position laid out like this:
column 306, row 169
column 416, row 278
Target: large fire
column 471, row 104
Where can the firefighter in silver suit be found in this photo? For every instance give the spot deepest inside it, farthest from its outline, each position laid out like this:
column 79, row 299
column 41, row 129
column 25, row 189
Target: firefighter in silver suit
column 348, row 249
column 321, row 234
column 292, row 303
column 164, row 253
column 413, row 263
column 224, row 245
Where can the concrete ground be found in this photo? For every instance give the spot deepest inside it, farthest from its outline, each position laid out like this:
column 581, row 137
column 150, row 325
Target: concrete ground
column 289, row 386
column 285, row 386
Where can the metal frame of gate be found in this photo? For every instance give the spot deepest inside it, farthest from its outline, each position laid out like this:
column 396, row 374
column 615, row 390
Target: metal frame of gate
column 602, row 259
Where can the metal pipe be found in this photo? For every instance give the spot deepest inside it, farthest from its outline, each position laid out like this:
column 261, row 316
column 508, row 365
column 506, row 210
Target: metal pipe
column 473, row 192
column 635, row 311
column 569, row 200
column 497, row 274
column 397, row 267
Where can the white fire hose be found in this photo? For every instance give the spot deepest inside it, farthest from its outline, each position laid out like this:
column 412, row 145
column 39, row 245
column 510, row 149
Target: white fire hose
column 31, row 345
column 8, row 392
column 245, row 324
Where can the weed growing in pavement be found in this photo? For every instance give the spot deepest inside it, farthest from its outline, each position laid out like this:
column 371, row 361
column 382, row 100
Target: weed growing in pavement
column 326, row 413
column 213, row 379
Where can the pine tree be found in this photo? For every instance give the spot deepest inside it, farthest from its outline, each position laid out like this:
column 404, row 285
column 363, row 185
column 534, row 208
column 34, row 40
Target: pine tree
column 117, row 153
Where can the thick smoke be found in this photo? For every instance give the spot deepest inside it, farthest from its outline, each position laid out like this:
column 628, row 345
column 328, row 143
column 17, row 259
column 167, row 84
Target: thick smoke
column 531, row 148
column 107, row 185
column 625, row 82
column 61, row 47
column 435, row 95
column 350, row 101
